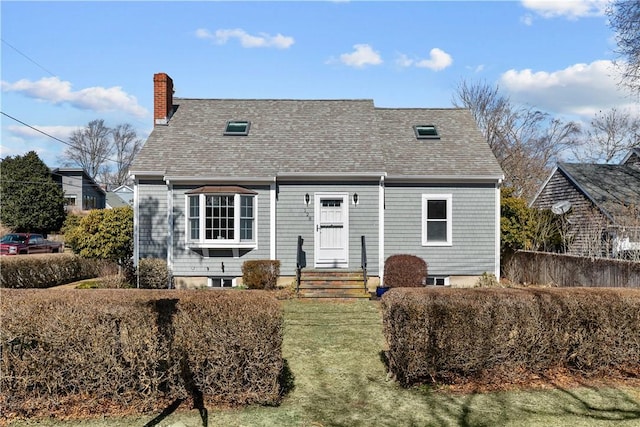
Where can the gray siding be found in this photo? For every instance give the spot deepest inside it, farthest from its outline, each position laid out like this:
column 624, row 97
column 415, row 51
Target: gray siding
column 295, row 219
column 153, row 231
column 198, row 262
column 473, row 228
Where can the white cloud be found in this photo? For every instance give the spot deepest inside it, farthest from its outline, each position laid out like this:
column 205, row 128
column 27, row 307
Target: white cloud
column 56, row 91
column 362, row 55
column 571, row 9
column 246, row 40
column 581, row 89
column 60, row 132
column 438, row 60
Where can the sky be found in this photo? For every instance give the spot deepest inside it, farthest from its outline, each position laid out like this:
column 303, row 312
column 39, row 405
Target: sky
column 64, row 64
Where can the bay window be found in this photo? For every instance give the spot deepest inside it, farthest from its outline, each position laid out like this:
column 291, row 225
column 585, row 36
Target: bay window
column 221, row 217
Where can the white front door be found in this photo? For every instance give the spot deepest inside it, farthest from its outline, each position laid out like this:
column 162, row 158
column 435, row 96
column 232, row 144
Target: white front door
column 332, row 230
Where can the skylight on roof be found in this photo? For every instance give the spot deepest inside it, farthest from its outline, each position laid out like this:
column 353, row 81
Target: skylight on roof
column 237, row 127
column 426, row 132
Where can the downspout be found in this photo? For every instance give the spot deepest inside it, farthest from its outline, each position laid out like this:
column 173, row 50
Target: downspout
column 497, row 229
column 272, row 220
column 381, row 230
column 170, row 231
column 136, row 227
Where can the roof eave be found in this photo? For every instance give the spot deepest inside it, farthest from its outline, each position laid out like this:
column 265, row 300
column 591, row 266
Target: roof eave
column 434, row 179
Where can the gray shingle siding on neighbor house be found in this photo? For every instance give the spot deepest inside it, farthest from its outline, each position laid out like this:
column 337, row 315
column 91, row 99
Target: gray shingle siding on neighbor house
column 298, row 147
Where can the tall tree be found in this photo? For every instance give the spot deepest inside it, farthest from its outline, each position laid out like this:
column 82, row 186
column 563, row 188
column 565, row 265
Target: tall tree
column 624, row 18
column 90, row 148
column 31, row 201
column 125, row 145
column 611, row 135
column 526, row 141
column 104, row 153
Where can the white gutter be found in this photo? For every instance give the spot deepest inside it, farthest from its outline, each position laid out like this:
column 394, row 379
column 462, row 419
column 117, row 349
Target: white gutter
column 497, row 231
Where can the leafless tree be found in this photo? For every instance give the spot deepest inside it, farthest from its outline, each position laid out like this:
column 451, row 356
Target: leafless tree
column 90, row 148
column 624, row 19
column 104, row 153
column 611, row 135
column 526, row 141
column 125, row 145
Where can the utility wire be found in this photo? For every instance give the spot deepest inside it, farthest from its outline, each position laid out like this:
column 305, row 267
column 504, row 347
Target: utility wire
column 75, row 147
column 36, row 129
column 23, row 54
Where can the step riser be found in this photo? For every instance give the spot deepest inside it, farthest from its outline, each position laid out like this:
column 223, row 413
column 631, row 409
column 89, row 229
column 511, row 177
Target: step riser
column 332, row 284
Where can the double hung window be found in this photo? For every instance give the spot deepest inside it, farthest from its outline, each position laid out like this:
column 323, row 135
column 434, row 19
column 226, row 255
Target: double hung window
column 221, row 219
column 436, row 220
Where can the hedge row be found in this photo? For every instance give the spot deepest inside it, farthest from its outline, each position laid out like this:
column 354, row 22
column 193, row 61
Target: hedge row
column 47, row 270
column 445, row 335
column 73, row 351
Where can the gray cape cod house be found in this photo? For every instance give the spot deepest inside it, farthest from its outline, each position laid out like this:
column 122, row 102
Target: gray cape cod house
column 222, row 181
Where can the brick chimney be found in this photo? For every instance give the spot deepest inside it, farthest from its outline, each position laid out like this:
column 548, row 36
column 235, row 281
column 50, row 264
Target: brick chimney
column 162, row 98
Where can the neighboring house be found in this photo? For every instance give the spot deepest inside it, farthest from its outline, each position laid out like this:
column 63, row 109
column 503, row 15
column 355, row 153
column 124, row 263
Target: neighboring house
column 125, row 193
column 601, row 203
column 113, row 200
column 222, row 181
column 81, row 192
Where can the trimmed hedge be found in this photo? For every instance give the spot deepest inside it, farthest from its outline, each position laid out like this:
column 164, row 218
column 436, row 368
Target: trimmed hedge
column 129, row 350
column 404, row 271
column 153, row 273
column 47, row 270
column 260, row 274
column 445, row 335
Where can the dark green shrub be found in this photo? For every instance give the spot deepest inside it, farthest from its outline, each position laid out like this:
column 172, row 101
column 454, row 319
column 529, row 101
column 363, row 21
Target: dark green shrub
column 153, row 273
column 261, row 274
column 405, row 271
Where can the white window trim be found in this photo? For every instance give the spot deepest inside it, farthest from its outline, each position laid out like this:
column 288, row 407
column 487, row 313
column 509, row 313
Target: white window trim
column 448, row 198
column 203, row 243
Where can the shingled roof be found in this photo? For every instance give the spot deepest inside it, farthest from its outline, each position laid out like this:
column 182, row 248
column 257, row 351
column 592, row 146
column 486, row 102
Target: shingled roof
column 339, row 137
column 610, row 187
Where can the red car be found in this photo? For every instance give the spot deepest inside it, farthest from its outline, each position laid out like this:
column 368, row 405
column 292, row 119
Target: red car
column 27, row 243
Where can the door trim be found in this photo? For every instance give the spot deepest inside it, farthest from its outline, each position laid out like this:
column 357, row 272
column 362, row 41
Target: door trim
column 318, row 197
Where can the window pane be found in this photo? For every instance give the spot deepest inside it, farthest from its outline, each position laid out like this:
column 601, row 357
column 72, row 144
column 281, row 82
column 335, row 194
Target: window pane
column 195, row 228
column 436, row 231
column 437, row 209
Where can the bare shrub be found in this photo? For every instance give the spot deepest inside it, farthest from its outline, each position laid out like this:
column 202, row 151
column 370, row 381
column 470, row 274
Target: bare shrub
column 405, row 271
column 449, row 335
column 153, row 273
column 72, row 351
column 261, row 274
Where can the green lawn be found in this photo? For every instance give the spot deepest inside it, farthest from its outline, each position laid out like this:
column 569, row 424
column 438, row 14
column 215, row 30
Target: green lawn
column 333, row 350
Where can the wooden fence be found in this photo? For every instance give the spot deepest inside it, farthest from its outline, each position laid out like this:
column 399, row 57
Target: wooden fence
column 541, row 268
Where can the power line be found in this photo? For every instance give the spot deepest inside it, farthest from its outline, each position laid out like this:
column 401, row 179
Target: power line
column 36, row 129
column 75, row 147
column 23, row 54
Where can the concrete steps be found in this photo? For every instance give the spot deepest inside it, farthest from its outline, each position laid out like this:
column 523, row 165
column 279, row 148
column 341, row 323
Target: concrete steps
column 332, row 283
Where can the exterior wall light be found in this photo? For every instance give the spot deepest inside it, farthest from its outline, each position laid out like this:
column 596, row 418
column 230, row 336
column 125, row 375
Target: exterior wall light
column 355, row 198
column 307, row 199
